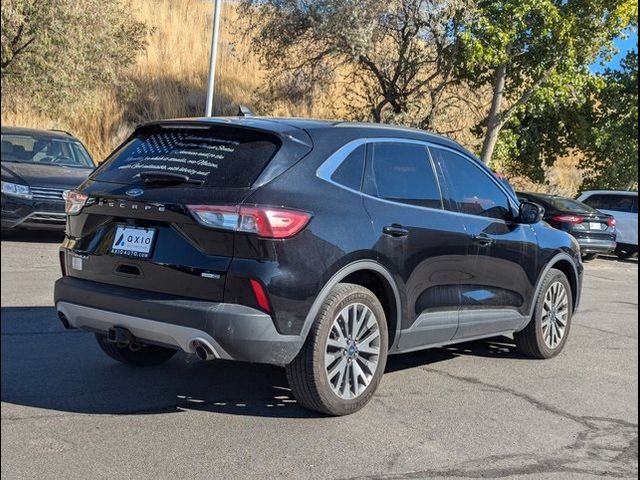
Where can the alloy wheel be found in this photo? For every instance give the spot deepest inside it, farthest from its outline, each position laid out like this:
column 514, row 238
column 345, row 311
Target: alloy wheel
column 555, row 314
column 352, row 351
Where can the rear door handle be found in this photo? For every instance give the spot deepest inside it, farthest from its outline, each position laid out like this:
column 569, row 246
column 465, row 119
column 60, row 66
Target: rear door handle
column 395, row 231
column 483, row 239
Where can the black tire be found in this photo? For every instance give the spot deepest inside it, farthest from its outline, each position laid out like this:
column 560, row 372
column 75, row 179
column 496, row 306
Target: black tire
column 307, row 375
column 530, row 341
column 589, row 256
column 624, row 254
column 138, row 355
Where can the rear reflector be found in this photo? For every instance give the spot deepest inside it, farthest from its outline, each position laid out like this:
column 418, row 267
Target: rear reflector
column 267, row 222
column 74, row 202
column 63, row 264
column 261, row 295
column 568, row 219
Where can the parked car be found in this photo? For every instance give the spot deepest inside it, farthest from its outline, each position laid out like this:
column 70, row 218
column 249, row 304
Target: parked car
column 38, row 167
column 595, row 231
column 624, row 206
column 321, row 247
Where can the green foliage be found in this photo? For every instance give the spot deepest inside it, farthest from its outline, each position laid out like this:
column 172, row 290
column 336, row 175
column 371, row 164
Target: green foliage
column 612, row 146
column 601, row 123
column 55, row 50
column 542, row 49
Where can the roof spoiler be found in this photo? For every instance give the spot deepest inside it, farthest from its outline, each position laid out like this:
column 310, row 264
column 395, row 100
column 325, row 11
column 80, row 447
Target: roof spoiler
column 244, row 111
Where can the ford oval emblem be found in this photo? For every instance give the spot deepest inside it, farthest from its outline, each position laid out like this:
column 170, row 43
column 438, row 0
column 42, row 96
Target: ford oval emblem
column 134, row 192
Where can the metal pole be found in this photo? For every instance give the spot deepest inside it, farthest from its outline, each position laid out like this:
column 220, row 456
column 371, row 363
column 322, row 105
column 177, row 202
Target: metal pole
column 214, row 56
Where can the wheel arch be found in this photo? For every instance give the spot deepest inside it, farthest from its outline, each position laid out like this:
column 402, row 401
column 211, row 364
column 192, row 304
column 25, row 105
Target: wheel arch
column 371, row 275
column 566, row 264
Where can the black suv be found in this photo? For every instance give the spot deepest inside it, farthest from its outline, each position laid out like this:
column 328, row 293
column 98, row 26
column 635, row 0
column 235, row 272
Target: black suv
column 317, row 246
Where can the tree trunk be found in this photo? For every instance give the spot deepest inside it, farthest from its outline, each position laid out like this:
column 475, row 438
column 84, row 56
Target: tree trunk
column 494, row 121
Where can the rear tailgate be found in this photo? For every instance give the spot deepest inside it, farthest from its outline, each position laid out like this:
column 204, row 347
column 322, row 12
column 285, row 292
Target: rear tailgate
column 184, row 258
column 141, row 235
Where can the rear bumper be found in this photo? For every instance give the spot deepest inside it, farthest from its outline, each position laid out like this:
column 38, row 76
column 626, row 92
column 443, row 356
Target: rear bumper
column 234, row 332
column 590, row 245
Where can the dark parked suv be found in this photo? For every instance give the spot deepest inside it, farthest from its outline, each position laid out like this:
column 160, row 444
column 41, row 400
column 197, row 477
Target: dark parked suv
column 321, row 247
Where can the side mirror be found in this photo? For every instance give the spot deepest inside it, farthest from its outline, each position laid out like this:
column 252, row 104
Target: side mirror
column 530, row 213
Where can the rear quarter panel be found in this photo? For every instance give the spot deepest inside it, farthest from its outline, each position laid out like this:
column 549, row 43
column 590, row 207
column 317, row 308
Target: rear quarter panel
column 294, row 270
column 555, row 245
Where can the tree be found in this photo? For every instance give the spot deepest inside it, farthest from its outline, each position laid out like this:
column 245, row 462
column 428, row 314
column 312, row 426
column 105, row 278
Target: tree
column 536, row 51
column 399, row 55
column 612, row 146
column 599, row 127
column 53, row 49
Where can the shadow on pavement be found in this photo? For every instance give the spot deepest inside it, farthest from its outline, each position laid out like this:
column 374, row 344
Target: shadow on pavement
column 608, row 258
column 35, row 236
column 45, row 366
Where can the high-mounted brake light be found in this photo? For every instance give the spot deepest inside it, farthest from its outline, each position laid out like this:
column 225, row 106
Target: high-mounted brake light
column 575, row 219
column 75, row 201
column 266, row 222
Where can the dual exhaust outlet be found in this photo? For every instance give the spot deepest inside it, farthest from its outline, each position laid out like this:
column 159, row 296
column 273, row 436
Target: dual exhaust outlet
column 123, row 336
column 203, row 349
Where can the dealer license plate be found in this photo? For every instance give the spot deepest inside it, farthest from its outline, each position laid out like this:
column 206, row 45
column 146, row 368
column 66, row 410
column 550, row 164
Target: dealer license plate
column 133, row 241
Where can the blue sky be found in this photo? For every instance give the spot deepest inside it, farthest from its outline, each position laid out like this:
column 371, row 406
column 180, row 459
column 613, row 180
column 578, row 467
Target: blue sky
column 624, row 45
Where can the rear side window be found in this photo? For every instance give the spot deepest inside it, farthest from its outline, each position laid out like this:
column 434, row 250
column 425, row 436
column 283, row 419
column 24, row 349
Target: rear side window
column 471, row 190
column 219, row 157
column 349, row 173
column 402, row 172
column 616, row 203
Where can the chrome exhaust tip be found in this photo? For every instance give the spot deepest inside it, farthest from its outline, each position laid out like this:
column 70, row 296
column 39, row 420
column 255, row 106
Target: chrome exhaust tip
column 204, row 351
column 64, row 320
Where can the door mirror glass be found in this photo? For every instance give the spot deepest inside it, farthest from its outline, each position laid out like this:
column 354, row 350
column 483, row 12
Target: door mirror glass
column 530, row 213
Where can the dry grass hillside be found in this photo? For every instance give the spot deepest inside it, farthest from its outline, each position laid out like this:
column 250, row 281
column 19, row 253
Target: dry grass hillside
column 169, row 80
column 170, row 77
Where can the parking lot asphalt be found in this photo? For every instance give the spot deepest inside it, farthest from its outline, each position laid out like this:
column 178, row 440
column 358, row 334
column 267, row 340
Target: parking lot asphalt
column 478, row 410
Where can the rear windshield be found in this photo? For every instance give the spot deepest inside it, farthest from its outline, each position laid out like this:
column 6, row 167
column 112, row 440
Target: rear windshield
column 219, row 157
column 567, row 205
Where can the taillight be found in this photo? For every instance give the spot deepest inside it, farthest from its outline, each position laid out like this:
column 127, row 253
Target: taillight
column 574, row 219
column 611, row 222
column 75, row 201
column 266, row 222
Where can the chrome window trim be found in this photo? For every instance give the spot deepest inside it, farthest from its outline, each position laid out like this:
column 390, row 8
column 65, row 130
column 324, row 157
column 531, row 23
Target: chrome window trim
column 331, row 164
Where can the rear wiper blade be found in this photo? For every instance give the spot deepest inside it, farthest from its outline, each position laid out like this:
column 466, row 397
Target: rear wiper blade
column 168, row 178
